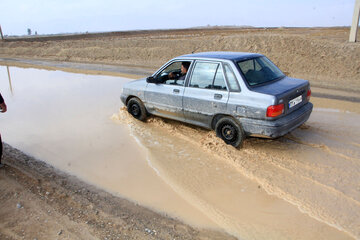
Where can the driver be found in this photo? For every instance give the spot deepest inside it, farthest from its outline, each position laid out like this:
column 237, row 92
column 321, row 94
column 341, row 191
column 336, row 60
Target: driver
column 184, row 68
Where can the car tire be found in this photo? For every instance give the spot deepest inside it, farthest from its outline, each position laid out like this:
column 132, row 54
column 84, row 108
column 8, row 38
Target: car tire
column 137, row 109
column 230, row 131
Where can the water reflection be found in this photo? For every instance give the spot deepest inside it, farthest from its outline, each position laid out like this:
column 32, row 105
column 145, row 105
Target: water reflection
column 10, row 85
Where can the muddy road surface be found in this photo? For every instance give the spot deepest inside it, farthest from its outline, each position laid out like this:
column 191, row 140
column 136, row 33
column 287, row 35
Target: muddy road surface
column 304, row 185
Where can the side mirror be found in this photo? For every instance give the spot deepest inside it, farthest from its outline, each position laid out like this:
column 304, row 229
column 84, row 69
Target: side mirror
column 151, row 79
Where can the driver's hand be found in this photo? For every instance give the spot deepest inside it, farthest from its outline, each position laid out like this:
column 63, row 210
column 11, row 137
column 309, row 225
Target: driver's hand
column 171, row 75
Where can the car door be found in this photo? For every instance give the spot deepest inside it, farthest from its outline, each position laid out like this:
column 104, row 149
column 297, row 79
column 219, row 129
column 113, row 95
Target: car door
column 206, row 94
column 165, row 97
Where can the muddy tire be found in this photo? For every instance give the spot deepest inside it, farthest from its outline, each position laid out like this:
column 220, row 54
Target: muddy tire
column 230, row 131
column 137, row 109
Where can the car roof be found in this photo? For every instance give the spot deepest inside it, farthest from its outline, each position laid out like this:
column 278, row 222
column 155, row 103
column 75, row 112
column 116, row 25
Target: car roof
column 234, row 56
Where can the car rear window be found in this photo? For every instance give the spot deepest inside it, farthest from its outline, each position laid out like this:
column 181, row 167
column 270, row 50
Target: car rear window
column 259, row 70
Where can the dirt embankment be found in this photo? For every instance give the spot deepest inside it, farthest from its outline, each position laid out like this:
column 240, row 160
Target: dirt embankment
column 322, row 55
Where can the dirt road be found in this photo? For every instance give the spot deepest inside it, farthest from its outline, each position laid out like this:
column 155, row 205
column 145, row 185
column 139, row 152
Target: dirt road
column 259, row 160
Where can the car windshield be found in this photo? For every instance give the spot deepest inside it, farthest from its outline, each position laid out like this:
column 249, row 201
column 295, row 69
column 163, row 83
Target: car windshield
column 259, row 70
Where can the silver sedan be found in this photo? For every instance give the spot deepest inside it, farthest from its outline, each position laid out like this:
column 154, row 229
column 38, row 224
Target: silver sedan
column 236, row 94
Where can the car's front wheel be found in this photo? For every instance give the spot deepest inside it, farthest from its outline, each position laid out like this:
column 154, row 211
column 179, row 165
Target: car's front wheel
column 230, row 131
column 137, row 109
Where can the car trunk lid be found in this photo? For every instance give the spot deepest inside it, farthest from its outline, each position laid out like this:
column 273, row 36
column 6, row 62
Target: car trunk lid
column 291, row 92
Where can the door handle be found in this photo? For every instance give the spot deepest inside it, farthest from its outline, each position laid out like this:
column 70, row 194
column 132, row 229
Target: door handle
column 176, row 91
column 217, row 96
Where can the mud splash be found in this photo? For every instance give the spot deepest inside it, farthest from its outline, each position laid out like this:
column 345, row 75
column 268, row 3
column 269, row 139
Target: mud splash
column 210, row 174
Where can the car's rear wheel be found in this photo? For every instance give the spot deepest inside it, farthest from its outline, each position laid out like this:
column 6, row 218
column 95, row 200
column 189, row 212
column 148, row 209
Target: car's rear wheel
column 230, row 131
column 137, row 109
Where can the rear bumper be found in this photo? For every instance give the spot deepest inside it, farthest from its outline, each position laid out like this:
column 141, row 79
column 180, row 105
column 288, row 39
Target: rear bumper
column 278, row 127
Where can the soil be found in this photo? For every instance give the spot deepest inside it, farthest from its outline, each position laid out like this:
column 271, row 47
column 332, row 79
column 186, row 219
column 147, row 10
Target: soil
column 322, row 55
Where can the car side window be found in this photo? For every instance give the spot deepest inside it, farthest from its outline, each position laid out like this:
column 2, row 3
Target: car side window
column 232, row 81
column 163, row 76
column 208, row 75
column 219, row 81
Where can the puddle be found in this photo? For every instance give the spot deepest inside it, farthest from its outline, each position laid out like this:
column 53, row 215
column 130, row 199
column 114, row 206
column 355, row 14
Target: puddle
column 295, row 187
column 64, row 119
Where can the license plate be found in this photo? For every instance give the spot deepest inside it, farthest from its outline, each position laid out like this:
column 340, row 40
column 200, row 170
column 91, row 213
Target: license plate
column 295, row 101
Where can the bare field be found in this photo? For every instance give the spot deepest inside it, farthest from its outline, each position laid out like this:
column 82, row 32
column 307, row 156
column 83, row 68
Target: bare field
column 322, row 55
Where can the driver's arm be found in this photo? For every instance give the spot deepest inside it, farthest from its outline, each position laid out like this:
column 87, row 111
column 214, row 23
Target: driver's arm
column 171, row 75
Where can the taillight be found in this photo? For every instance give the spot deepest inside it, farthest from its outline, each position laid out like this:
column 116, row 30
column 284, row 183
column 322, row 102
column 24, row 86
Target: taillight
column 275, row 110
column 308, row 95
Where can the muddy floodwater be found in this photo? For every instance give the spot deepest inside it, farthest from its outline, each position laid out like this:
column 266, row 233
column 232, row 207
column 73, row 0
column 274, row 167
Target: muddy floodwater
column 305, row 185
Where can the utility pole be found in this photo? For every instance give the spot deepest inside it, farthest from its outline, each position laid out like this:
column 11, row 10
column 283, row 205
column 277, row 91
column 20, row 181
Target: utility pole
column 355, row 22
column 2, row 37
